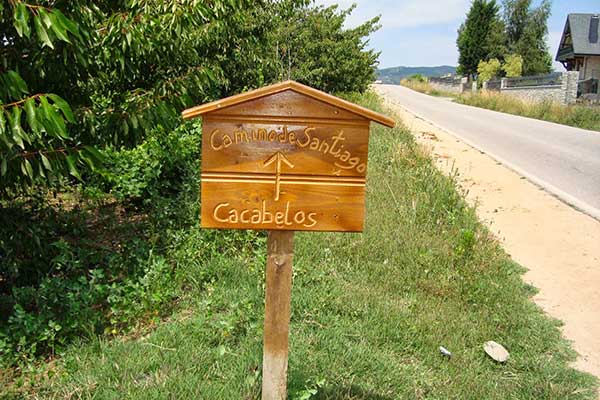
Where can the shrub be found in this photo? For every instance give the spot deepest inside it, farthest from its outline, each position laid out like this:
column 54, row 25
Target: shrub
column 513, row 66
column 76, row 266
column 486, row 70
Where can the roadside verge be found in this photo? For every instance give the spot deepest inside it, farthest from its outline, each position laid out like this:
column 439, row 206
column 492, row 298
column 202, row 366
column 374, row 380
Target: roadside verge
column 558, row 244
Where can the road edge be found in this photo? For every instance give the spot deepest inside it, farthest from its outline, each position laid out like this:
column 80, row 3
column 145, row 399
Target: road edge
column 566, row 198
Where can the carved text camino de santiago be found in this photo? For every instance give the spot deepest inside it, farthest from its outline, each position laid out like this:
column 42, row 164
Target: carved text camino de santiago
column 344, row 159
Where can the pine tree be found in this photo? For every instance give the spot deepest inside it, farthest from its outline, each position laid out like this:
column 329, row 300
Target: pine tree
column 480, row 37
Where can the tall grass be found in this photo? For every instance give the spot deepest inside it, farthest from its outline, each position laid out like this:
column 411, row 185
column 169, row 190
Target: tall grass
column 585, row 117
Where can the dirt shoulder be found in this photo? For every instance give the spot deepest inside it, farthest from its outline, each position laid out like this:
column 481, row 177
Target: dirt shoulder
column 559, row 245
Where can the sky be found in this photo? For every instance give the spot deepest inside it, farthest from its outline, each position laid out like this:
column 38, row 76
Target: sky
column 423, row 32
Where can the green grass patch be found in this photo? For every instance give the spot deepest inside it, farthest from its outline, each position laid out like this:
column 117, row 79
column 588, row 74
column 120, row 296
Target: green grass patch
column 579, row 116
column 369, row 311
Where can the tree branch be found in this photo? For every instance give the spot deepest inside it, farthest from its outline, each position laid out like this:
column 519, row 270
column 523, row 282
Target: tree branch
column 16, row 103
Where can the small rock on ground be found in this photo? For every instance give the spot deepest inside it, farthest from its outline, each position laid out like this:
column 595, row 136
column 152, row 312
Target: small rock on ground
column 496, row 351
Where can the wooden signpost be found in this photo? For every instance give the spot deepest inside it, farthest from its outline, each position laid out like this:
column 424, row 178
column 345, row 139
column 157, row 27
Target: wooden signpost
column 283, row 158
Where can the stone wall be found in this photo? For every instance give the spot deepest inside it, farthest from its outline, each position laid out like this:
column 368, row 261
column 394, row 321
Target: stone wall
column 444, row 87
column 450, row 87
column 565, row 93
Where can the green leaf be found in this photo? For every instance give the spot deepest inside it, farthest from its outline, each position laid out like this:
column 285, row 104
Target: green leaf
column 4, row 166
column 46, row 162
column 41, row 32
column 28, row 168
column 94, row 152
column 17, row 83
column 17, row 131
column 21, row 20
column 58, row 27
column 64, row 107
column 29, row 107
column 53, row 120
column 45, row 18
column 41, row 170
column 3, row 129
column 72, row 169
column 68, row 24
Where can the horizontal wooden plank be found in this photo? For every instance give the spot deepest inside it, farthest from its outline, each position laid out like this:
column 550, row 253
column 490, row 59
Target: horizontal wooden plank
column 287, row 178
column 288, row 120
column 290, row 104
column 309, row 149
column 325, row 206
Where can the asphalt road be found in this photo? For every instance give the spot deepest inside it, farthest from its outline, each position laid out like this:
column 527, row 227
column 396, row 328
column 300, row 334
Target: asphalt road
column 563, row 160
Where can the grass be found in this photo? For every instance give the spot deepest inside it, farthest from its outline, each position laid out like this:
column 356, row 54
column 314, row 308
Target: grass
column 369, row 311
column 585, row 117
column 426, row 88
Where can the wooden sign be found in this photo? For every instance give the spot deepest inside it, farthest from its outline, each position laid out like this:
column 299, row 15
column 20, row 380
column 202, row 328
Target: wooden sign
column 285, row 157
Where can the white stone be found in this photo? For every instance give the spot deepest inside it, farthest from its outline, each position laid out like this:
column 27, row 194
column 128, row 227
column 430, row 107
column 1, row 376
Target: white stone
column 496, row 351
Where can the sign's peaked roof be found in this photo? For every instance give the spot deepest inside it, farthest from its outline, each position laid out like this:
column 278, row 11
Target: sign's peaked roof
column 296, row 87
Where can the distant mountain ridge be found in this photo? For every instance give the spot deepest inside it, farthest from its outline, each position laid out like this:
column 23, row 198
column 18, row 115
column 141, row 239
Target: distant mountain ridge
column 395, row 74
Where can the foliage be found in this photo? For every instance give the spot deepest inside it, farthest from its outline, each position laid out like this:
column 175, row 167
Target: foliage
column 35, row 141
column 513, row 66
column 579, row 116
column 120, row 68
column 88, row 264
column 314, row 48
column 478, row 36
column 417, row 78
column 123, row 67
column 526, row 32
column 520, row 32
column 487, row 70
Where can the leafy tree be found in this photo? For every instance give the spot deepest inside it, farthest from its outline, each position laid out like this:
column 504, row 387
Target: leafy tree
column 118, row 68
column 526, row 31
column 34, row 139
column 313, row 47
column 487, row 70
column 480, row 36
column 513, row 66
column 122, row 66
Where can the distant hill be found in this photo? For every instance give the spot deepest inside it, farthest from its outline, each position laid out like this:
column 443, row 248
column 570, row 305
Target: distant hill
column 395, row 74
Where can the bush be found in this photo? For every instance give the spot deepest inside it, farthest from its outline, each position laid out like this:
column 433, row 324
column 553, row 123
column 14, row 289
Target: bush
column 486, row 70
column 417, row 78
column 81, row 262
column 155, row 167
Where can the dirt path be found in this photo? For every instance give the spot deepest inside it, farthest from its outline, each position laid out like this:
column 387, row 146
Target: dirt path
column 558, row 245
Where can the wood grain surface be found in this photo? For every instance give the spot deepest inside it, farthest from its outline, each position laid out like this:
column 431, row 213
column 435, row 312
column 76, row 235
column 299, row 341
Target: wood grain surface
column 284, row 158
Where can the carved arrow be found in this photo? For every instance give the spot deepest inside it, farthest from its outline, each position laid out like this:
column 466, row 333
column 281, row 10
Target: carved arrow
column 278, row 158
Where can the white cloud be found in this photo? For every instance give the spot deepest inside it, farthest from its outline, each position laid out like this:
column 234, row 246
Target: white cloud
column 404, row 13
